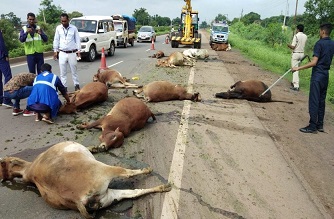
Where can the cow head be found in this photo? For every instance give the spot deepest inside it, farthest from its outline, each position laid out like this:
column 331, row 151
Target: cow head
column 68, row 108
column 12, row 167
column 161, row 62
column 111, row 139
column 196, row 97
column 96, row 77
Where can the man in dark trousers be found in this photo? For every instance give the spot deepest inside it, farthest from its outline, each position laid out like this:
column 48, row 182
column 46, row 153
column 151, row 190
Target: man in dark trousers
column 323, row 53
column 33, row 37
column 5, row 71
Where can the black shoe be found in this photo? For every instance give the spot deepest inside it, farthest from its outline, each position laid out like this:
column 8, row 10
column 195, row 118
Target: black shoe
column 77, row 87
column 320, row 129
column 294, row 88
column 308, row 129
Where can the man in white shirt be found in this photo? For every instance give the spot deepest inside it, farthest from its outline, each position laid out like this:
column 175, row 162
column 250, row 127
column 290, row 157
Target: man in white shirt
column 66, row 46
column 297, row 46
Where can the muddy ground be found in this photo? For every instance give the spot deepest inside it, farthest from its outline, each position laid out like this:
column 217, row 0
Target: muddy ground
column 310, row 155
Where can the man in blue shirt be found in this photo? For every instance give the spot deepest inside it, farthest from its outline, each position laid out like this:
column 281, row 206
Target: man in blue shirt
column 323, row 53
column 44, row 96
column 5, row 71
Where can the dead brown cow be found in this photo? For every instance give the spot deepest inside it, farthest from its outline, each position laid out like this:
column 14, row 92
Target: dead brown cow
column 91, row 93
column 68, row 176
column 112, row 78
column 221, row 47
column 175, row 59
column 159, row 54
column 127, row 115
column 158, row 91
column 249, row 90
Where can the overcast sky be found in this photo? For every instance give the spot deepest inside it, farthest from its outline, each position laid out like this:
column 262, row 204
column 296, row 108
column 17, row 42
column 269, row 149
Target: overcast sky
column 208, row 9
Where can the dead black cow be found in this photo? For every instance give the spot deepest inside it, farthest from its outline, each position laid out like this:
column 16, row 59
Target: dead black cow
column 249, row 90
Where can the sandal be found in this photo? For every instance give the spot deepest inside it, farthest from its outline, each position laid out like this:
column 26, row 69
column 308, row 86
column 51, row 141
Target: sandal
column 47, row 120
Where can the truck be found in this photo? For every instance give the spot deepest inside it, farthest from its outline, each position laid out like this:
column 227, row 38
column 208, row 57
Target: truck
column 188, row 31
column 125, row 27
column 219, row 32
column 96, row 35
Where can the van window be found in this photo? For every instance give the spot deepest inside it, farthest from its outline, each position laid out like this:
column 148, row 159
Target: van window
column 85, row 25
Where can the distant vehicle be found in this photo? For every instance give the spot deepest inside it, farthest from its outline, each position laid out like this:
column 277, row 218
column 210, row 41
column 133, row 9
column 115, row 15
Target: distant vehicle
column 125, row 27
column 187, row 33
column 146, row 33
column 219, row 33
column 96, row 32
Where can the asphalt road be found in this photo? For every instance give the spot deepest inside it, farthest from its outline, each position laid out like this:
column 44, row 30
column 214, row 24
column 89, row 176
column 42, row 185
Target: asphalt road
column 212, row 152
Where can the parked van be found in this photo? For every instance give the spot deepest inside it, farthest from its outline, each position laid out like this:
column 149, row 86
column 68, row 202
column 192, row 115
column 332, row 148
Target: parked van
column 96, row 32
column 219, row 33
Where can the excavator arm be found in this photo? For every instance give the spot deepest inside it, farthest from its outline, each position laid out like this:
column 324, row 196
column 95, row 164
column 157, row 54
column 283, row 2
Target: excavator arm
column 189, row 30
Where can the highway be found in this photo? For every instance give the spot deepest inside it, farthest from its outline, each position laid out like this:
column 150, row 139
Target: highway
column 219, row 158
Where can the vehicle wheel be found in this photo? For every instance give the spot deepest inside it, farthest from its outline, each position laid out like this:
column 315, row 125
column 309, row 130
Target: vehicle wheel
column 125, row 43
column 132, row 43
column 91, row 53
column 111, row 50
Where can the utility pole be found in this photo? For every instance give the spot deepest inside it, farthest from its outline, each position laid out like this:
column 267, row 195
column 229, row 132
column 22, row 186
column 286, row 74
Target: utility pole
column 44, row 16
column 286, row 14
column 294, row 20
column 242, row 10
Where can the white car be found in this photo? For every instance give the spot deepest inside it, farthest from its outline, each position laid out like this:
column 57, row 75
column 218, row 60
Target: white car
column 146, row 33
column 96, row 32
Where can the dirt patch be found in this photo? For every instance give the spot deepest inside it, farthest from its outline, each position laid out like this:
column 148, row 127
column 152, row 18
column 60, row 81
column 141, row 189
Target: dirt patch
column 310, row 155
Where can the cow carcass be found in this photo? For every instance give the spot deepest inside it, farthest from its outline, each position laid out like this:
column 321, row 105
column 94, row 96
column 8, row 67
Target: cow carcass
column 249, row 90
column 159, row 54
column 68, row 176
column 175, row 59
column 127, row 115
column 158, row 91
column 91, row 93
column 221, row 47
column 113, row 79
column 196, row 53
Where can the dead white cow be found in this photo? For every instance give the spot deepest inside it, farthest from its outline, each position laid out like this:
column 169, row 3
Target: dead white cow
column 196, row 53
column 175, row 59
column 69, row 177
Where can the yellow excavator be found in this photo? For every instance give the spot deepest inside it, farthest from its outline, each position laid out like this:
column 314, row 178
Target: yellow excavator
column 188, row 30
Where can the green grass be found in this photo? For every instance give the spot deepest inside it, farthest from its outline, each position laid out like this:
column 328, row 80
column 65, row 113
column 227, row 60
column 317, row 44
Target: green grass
column 277, row 60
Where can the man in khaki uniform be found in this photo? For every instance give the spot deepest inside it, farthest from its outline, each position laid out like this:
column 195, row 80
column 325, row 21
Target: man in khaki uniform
column 297, row 46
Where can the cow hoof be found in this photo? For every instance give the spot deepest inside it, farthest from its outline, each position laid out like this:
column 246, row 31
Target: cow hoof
column 82, row 126
column 93, row 149
column 148, row 170
column 166, row 188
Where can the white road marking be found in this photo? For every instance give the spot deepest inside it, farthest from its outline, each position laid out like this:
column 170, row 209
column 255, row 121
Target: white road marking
column 115, row 64
column 171, row 202
column 13, row 66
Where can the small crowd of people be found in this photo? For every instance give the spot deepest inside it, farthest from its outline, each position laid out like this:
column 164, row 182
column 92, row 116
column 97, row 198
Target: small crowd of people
column 40, row 85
